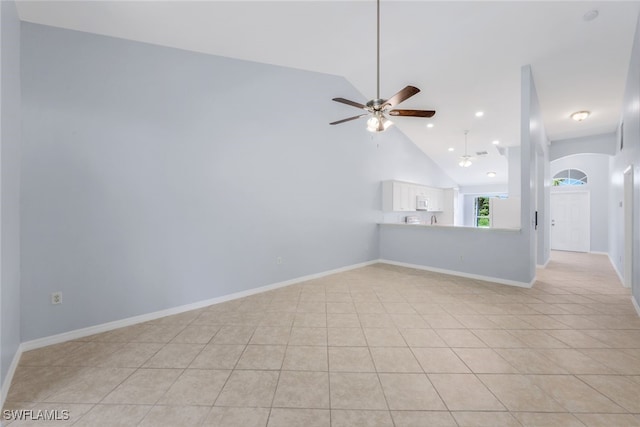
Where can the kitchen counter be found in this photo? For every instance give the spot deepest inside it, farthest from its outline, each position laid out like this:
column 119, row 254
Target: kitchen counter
column 449, row 227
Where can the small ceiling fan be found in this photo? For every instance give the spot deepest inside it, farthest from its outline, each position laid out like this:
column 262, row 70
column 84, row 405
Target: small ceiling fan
column 378, row 108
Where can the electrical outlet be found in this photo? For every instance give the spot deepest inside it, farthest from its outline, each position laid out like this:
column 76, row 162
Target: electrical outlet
column 56, row 298
column 279, row 260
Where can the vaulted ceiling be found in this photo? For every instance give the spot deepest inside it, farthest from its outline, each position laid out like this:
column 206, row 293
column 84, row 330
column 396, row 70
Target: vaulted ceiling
column 465, row 56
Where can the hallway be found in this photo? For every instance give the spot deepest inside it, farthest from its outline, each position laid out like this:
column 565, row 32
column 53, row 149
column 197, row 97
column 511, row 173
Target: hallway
column 377, row 346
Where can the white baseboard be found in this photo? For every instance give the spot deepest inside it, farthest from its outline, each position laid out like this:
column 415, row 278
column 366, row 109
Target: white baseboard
column 545, row 264
column 461, row 274
column 620, row 276
column 9, row 377
column 635, row 305
column 105, row 327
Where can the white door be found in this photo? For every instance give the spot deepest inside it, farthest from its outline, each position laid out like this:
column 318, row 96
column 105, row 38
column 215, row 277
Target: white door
column 570, row 221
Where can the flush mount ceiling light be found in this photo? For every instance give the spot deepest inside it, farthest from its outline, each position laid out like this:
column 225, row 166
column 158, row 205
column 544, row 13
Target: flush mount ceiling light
column 451, row 148
column 495, row 142
column 579, row 116
column 429, row 125
column 491, row 174
column 465, row 161
column 479, row 113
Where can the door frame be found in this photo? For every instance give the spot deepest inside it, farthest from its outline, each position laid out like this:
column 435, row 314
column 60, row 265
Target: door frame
column 627, row 205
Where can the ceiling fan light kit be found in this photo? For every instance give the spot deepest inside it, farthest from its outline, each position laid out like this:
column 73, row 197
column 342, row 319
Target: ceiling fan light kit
column 378, row 108
column 465, row 160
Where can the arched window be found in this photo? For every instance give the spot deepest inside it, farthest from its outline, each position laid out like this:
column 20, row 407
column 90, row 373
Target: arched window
column 569, row 177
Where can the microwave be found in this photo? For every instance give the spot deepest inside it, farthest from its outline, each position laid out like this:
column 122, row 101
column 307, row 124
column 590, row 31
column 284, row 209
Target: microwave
column 422, row 203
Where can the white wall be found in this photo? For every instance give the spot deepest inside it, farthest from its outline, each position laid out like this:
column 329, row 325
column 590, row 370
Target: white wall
column 628, row 156
column 154, row 177
column 596, row 166
column 10, row 141
column 593, row 144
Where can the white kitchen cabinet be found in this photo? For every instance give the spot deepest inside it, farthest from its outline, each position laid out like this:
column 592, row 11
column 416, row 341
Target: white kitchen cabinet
column 398, row 196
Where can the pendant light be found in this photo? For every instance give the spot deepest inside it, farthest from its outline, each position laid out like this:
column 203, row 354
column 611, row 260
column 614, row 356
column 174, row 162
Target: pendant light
column 465, row 161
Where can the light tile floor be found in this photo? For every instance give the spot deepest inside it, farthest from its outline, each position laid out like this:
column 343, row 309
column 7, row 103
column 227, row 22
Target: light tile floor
column 377, row 346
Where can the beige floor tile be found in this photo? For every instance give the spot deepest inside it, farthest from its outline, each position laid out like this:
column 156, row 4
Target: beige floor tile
column 350, row 359
column 484, row 361
column 89, row 354
column 143, row 387
column 574, row 361
column 439, row 360
column 621, row 390
column 263, row 357
column 509, row 322
column 281, row 417
column 486, row 419
column 233, row 334
column 409, row 321
column 196, row 334
column 615, row 359
column 310, row 320
column 573, row 394
column 130, row 355
column 459, row 338
column 369, row 307
column 608, row 420
column 237, row 417
column 215, row 356
column 394, row 359
column 464, row 392
column 305, row 358
column 340, row 307
column 422, row 338
column 345, row 418
column 496, row 338
column 278, row 319
column 158, row 333
column 356, row 391
column 541, row 419
column 537, row 339
column 576, row 339
column 175, row 416
column 308, row 336
column 48, row 356
column 349, row 337
column 519, row 393
column 410, row 392
column 476, row 321
column 89, row 385
column 384, row 337
column 381, row 320
column 274, row 335
column 528, row 361
column 311, row 307
column 195, row 387
column 113, row 416
column 423, row 418
column 34, row 383
column 302, row 389
column 249, row 388
column 174, row 356
column 442, row 321
column 343, row 320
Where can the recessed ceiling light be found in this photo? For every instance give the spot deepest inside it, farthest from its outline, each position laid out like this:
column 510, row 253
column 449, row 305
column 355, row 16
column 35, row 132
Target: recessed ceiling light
column 579, row 116
column 491, row 174
column 429, row 125
column 479, row 113
column 591, row 15
column 451, row 148
column 495, row 142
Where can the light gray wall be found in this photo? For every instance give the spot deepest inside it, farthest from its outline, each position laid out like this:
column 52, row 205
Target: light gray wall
column 10, row 185
column 596, row 144
column 596, row 166
column 154, row 177
column 629, row 155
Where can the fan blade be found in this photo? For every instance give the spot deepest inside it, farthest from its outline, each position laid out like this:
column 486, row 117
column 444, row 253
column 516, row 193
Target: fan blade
column 352, row 103
column 404, row 94
column 349, row 119
column 412, row 113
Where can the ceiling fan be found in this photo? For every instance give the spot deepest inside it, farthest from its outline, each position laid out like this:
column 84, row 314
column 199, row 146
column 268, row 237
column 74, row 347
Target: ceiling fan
column 378, row 108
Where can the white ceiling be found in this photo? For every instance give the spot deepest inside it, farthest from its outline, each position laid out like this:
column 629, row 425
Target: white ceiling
column 465, row 56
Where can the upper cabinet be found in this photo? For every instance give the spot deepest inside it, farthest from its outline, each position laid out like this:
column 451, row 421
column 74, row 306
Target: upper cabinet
column 401, row 196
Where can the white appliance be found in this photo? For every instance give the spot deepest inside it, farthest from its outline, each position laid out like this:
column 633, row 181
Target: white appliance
column 422, row 203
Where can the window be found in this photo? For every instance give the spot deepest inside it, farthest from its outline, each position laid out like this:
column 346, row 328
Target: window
column 481, row 211
column 569, row 177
